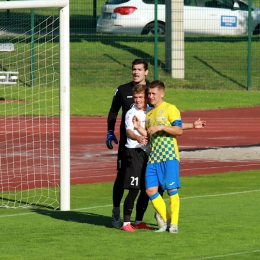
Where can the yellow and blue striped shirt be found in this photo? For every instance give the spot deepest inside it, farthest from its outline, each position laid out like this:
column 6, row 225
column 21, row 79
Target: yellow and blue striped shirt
column 163, row 145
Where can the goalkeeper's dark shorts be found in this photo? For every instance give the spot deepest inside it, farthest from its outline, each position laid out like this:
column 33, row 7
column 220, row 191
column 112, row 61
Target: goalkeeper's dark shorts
column 135, row 166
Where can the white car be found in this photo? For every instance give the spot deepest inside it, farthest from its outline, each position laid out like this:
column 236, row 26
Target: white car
column 201, row 17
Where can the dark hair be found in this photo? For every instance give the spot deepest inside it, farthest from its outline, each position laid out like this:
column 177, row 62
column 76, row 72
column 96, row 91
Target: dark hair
column 140, row 61
column 139, row 88
column 157, row 84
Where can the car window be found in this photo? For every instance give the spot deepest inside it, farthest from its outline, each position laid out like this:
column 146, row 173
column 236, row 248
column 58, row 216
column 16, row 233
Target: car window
column 243, row 6
column 228, row 4
column 116, row 2
column 200, row 3
column 160, row 2
column 190, row 2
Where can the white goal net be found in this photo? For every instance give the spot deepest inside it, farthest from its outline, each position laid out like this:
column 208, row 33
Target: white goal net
column 34, row 108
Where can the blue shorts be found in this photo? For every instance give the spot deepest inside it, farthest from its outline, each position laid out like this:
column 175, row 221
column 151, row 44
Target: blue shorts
column 163, row 174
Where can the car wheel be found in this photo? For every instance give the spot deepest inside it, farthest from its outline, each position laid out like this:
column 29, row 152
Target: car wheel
column 149, row 29
column 257, row 30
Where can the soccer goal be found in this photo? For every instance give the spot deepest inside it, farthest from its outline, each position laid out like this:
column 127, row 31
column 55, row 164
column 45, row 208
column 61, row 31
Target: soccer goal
column 34, row 104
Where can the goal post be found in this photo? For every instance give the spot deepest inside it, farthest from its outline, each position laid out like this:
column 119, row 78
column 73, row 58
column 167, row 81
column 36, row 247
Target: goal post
column 17, row 122
column 64, row 109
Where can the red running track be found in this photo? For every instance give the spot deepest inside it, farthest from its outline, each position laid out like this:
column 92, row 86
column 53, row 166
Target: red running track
column 28, row 162
column 92, row 162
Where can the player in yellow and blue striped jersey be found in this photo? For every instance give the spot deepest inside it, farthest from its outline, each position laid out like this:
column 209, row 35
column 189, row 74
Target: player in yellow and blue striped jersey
column 163, row 124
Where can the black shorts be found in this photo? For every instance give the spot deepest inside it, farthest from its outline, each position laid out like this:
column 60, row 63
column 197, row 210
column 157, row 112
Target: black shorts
column 135, row 166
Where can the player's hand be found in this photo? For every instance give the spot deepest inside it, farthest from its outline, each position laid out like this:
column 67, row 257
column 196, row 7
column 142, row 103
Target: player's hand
column 199, row 124
column 142, row 140
column 136, row 122
column 155, row 128
column 111, row 137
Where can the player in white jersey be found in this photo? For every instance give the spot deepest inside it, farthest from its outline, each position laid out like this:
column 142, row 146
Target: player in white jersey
column 137, row 148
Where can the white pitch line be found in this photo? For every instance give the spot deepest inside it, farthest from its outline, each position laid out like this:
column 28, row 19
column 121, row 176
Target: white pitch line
column 218, row 195
column 193, row 197
column 110, row 205
column 227, row 255
column 14, row 215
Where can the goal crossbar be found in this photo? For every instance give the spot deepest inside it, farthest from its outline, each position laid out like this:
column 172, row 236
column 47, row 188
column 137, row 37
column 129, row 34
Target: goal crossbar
column 33, row 4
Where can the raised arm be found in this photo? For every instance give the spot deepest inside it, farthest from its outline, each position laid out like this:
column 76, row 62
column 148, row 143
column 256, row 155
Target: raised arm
column 197, row 125
column 138, row 127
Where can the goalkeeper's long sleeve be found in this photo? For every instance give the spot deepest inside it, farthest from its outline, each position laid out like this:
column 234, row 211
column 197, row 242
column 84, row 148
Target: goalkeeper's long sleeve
column 123, row 98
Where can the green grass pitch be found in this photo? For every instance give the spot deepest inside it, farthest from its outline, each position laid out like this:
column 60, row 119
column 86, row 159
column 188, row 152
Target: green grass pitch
column 219, row 219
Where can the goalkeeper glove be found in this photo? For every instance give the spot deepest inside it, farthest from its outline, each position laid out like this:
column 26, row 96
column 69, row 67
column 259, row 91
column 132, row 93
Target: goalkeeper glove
column 111, row 137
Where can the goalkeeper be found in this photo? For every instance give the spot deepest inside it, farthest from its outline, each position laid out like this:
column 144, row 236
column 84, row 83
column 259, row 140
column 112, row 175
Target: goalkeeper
column 123, row 98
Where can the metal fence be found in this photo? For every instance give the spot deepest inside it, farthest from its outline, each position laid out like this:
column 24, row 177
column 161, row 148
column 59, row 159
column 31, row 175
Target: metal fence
column 218, row 51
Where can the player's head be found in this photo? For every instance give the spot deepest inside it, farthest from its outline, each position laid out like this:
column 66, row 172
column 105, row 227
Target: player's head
column 140, row 96
column 140, row 61
column 139, row 71
column 156, row 91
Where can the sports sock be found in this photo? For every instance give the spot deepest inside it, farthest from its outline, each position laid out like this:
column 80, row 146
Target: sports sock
column 118, row 189
column 141, row 205
column 116, row 212
column 129, row 204
column 167, row 215
column 175, row 208
column 159, row 205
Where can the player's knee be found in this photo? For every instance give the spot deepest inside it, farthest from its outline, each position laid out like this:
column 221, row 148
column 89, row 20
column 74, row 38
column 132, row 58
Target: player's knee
column 150, row 191
column 154, row 195
column 172, row 192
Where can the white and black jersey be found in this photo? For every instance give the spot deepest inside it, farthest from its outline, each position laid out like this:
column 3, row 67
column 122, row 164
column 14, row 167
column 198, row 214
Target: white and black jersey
column 123, row 98
column 141, row 115
column 135, row 154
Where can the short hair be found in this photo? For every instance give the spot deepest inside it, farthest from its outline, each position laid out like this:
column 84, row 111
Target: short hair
column 140, row 61
column 157, row 84
column 139, row 88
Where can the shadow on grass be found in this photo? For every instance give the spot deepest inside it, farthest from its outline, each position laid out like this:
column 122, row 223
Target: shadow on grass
column 75, row 216
column 81, row 217
column 219, row 72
